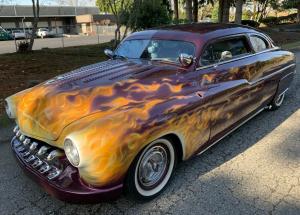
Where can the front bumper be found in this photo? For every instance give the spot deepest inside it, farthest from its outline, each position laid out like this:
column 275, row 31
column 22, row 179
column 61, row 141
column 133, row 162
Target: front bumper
column 58, row 177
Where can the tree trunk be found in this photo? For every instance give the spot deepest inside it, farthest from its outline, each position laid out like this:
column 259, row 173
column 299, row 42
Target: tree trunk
column 188, row 9
column 226, row 8
column 224, row 11
column 176, row 14
column 238, row 11
column 36, row 15
column 117, row 36
column 195, row 10
column 298, row 15
column 220, row 12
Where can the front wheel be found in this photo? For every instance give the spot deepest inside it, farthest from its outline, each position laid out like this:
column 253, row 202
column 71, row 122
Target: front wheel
column 151, row 170
column 277, row 101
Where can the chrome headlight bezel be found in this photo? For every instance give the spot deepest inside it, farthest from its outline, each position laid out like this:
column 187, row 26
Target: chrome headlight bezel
column 71, row 152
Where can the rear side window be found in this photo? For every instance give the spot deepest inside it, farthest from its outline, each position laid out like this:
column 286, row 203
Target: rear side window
column 258, row 43
column 237, row 46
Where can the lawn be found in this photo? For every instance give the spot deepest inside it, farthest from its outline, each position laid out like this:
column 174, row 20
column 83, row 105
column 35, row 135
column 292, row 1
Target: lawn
column 20, row 71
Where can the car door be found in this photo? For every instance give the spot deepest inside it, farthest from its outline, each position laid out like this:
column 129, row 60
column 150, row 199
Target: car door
column 233, row 98
column 269, row 61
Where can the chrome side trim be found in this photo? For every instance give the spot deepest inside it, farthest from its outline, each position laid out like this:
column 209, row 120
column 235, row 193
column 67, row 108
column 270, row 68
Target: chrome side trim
column 288, row 74
column 231, row 131
column 273, row 74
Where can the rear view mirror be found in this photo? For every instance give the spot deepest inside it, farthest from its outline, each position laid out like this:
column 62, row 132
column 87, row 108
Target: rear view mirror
column 226, row 55
column 185, row 59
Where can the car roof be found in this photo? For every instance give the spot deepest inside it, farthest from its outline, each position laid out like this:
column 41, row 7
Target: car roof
column 204, row 28
column 194, row 32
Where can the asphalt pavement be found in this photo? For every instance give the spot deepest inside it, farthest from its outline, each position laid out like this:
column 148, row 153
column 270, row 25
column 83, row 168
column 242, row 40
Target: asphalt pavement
column 58, row 42
column 255, row 170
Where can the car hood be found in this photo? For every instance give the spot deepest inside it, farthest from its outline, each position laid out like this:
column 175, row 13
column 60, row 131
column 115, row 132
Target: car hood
column 104, row 88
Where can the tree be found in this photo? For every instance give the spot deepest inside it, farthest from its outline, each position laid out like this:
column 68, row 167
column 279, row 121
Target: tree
column 118, row 8
column 150, row 13
column 238, row 11
column 224, row 6
column 188, row 9
column 260, row 8
column 36, row 16
column 176, row 13
column 288, row 4
column 195, row 10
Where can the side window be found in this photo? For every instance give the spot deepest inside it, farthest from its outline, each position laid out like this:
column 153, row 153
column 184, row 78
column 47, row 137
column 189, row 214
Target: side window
column 236, row 46
column 258, row 43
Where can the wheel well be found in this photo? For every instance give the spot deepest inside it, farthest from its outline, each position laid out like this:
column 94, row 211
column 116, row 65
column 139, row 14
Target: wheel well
column 177, row 143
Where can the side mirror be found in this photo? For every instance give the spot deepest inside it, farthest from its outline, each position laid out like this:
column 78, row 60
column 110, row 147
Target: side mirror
column 185, row 59
column 109, row 53
column 225, row 55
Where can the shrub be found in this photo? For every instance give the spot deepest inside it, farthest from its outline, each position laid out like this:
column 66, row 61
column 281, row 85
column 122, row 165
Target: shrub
column 288, row 19
column 271, row 20
column 251, row 23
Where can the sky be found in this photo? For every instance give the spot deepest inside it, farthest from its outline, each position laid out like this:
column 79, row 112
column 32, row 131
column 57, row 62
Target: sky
column 50, row 2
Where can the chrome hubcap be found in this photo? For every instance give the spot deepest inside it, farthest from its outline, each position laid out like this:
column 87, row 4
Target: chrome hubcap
column 153, row 166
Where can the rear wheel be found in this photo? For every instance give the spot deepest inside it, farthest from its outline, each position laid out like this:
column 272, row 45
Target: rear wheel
column 151, row 170
column 277, row 101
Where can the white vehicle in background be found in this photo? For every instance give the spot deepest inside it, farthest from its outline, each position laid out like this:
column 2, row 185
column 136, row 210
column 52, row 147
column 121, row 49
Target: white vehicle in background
column 44, row 32
column 18, row 34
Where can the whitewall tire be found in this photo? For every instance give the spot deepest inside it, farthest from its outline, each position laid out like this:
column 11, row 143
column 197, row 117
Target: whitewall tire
column 152, row 169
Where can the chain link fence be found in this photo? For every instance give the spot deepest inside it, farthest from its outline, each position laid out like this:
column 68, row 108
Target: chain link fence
column 58, row 36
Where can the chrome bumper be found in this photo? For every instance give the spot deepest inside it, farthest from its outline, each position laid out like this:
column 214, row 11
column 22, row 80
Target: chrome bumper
column 50, row 168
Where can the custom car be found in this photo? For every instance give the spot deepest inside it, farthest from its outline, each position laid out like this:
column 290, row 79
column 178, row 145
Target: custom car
column 164, row 95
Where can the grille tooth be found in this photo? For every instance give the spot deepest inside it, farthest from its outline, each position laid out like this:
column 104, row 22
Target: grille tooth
column 54, row 154
column 33, row 146
column 42, row 150
column 30, row 158
column 16, row 129
column 20, row 148
column 26, row 141
column 25, row 154
column 22, row 137
column 37, row 163
column 45, row 168
column 18, row 134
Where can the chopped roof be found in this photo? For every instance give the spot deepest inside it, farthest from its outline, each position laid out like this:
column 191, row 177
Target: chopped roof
column 203, row 28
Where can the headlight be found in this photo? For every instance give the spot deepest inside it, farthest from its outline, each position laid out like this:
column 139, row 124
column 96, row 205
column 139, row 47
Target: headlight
column 71, row 152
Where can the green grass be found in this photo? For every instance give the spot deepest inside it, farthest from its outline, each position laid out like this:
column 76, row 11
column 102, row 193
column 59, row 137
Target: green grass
column 4, row 121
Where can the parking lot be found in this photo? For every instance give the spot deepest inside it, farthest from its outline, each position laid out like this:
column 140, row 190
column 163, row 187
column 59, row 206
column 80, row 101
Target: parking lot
column 255, row 170
column 9, row 46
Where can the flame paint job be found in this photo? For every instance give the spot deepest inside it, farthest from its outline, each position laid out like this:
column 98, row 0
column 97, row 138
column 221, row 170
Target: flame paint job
column 111, row 110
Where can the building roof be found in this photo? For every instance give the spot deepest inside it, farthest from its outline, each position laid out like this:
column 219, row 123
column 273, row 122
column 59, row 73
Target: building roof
column 46, row 11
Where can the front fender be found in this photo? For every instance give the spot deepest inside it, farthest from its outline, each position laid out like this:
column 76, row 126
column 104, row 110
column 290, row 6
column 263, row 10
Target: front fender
column 107, row 146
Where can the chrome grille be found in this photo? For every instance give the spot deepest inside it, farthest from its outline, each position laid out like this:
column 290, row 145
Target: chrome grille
column 40, row 156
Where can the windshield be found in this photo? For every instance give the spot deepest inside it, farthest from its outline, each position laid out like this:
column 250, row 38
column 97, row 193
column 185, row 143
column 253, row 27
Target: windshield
column 168, row 50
